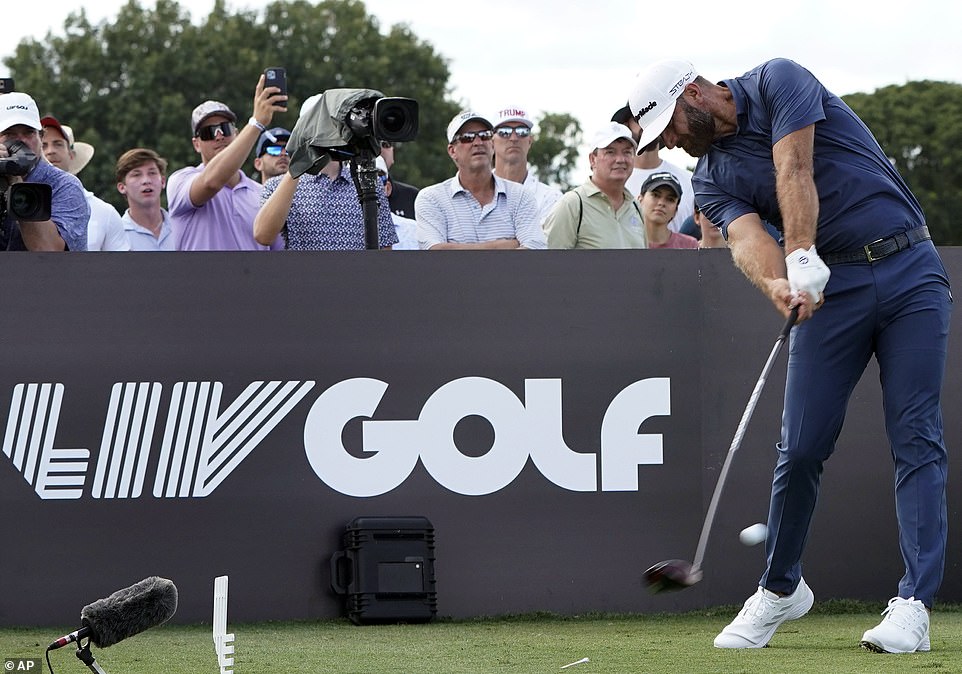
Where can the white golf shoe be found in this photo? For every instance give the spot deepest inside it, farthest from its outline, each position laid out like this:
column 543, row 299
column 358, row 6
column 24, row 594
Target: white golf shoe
column 904, row 629
column 764, row 611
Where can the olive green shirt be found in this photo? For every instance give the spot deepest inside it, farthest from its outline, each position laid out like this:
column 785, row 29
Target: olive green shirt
column 584, row 218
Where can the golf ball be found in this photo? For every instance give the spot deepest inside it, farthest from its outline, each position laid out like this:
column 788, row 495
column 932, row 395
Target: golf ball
column 754, row 534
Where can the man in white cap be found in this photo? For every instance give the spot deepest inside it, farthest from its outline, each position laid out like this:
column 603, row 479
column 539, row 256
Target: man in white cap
column 105, row 229
column 212, row 205
column 476, row 208
column 67, row 227
column 601, row 212
column 513, row 136
column 775, row 145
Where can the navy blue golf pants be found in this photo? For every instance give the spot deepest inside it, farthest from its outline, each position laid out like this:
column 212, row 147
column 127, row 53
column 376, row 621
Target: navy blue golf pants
column 897, row 309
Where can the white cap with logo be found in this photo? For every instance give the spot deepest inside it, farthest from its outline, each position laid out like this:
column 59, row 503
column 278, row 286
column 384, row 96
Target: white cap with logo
column 609, row 133
column 18, row 108
column 512, row 114
column 654, row 95
column 463, row 118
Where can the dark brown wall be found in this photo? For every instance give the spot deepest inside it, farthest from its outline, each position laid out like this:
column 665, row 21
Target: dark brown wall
column 596, row 321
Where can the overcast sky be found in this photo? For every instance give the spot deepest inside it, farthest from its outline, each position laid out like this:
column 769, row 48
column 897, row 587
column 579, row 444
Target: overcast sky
column 580, row 57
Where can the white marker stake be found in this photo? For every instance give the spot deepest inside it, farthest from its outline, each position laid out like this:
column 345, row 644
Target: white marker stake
column 223, row 642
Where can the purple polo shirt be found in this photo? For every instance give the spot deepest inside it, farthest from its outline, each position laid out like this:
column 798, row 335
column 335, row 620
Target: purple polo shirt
column 226, row 222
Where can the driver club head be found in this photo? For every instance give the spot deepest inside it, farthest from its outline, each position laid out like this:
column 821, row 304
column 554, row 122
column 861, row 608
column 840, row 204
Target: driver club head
column 671, row 575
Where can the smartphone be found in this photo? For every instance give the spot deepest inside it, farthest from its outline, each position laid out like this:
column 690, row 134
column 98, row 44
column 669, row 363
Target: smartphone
column 276, row 77
column 6, row 85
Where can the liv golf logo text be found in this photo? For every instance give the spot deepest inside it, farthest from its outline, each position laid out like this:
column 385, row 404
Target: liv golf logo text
column 202, row 443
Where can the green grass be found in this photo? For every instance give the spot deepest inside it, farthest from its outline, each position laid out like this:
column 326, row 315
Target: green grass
column 824, row 641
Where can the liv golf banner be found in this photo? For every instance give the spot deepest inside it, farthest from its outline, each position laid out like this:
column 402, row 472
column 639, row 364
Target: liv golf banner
column 559, row 417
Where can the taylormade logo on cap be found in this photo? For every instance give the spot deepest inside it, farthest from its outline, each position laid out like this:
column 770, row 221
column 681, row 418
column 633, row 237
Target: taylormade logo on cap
column 654, row 94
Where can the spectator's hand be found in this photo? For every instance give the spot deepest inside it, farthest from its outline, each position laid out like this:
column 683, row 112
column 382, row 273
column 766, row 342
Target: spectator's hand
column 807, row 274
column 267, row 101
column 3, row 154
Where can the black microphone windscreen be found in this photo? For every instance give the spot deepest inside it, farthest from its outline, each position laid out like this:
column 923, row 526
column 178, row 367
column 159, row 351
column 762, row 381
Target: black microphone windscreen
column 130, row 611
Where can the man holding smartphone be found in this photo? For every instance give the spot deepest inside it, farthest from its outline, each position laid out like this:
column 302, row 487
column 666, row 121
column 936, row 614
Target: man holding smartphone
column 212, row 205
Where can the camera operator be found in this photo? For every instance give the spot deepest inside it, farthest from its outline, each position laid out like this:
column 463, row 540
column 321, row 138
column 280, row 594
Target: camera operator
column 67, row 228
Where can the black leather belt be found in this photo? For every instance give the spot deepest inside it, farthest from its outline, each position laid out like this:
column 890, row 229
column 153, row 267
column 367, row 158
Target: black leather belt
column 880, row 249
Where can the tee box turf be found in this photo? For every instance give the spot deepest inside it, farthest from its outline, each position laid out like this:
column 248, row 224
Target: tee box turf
column 386, row 570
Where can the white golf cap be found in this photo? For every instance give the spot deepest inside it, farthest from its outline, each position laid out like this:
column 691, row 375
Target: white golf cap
column 463, row 118
column 512, row 114
column 18, row 108
column 654, row 95
column 609, row 133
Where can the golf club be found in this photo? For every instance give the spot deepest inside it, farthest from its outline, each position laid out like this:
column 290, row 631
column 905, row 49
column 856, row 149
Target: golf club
column 677, row 574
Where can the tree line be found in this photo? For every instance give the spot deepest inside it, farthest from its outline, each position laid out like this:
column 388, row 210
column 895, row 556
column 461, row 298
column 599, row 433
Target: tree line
column 132, row 81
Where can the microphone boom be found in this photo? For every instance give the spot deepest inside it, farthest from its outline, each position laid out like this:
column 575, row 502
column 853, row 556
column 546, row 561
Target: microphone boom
column 126, row 612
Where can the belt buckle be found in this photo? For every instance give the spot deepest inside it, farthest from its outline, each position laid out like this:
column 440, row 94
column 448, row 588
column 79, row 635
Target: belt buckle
column 868, row 250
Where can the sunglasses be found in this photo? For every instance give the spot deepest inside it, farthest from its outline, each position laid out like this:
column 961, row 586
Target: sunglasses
column 273, row 150
column 386, row 144
column 519, row 131
column 210, row 132
column 469, row 136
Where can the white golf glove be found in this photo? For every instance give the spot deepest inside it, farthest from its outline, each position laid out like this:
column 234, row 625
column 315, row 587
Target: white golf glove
column 807, row 272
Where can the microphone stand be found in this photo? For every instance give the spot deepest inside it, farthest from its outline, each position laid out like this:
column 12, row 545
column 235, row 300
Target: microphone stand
column 86, row 657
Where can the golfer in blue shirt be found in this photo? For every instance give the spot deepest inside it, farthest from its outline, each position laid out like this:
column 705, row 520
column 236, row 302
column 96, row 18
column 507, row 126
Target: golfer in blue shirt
column 774, row 145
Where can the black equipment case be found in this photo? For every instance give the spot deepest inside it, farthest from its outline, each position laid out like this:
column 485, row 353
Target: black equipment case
column 386, row 570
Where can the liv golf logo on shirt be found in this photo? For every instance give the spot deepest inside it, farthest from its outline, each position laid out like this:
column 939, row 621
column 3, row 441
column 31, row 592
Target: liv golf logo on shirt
column 204, row 439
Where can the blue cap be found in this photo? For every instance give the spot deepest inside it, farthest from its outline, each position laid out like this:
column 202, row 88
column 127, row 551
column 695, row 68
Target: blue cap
column 277, row 132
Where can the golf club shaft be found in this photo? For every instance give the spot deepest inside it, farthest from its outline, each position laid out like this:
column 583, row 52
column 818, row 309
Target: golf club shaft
column 737, row 441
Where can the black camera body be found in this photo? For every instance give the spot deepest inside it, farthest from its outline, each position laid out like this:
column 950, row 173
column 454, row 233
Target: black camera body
column 31, row 202
column 391, row 118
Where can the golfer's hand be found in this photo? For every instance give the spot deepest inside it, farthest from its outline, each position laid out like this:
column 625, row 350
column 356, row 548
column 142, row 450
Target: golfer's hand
column 807, row 274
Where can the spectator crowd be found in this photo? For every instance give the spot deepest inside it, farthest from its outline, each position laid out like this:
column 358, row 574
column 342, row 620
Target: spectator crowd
column 494, row 200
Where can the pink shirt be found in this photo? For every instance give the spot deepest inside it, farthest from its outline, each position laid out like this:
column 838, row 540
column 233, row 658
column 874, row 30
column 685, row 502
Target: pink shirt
column 676, row 240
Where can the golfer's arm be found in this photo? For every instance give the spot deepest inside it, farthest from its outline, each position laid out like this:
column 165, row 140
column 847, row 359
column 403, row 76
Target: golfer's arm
column 795, row 187
column 759, row 257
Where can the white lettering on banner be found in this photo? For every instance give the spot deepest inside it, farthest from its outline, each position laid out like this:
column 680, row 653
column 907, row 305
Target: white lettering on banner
column 534, row 428
column 28, row 441
column 623, row 448
column 203, row 444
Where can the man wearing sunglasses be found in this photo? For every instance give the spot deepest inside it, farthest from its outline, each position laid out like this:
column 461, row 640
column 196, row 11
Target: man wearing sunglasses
column 270, row 156
column 476, row 209
column 513, row 136
column 212, row 205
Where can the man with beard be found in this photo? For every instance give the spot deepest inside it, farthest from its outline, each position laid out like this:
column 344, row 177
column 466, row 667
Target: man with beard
column 476, row 209
column 270, row 154
column 776, row 145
